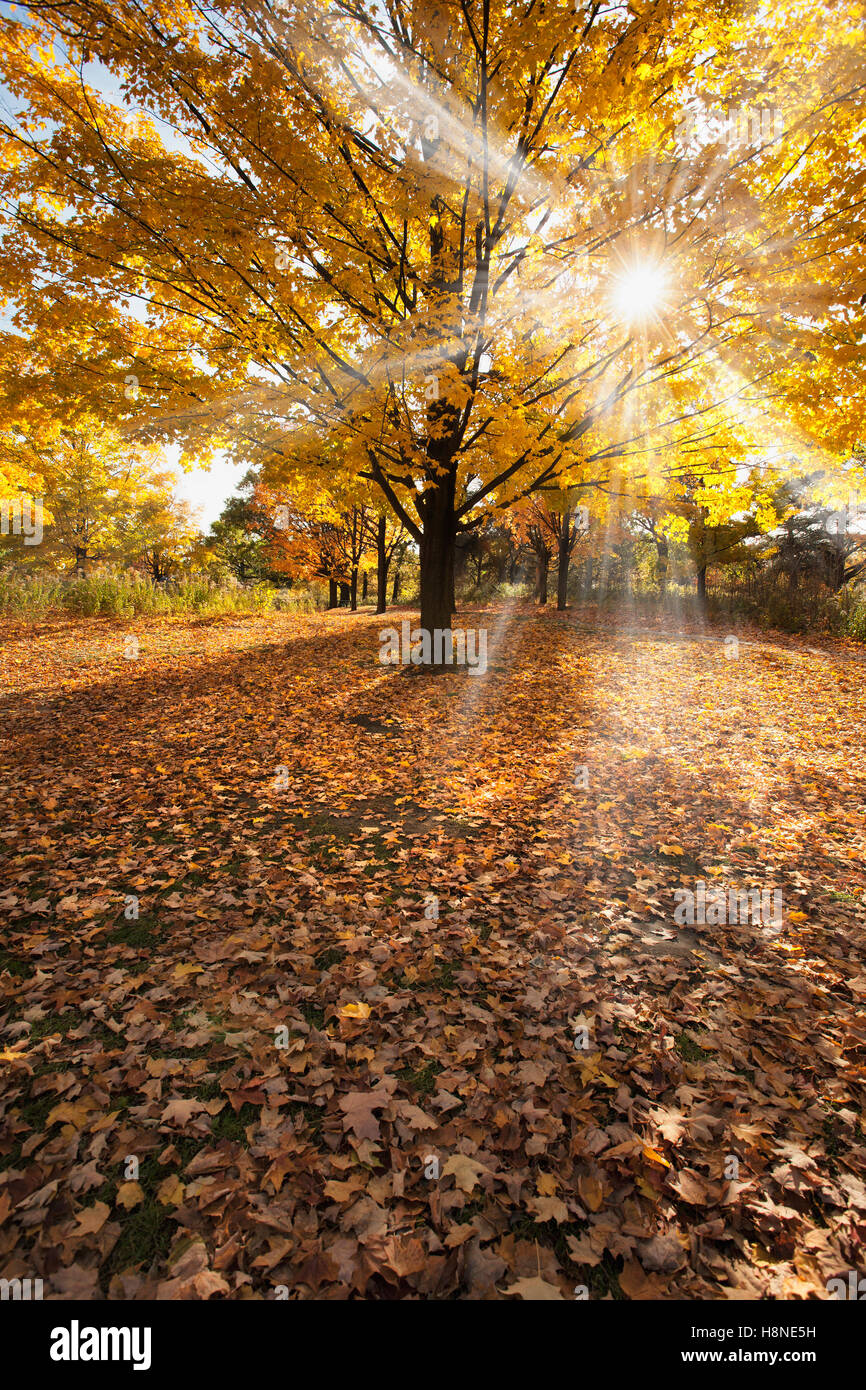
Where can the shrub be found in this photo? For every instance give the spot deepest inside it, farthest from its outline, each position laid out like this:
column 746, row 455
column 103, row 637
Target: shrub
column 116, row 594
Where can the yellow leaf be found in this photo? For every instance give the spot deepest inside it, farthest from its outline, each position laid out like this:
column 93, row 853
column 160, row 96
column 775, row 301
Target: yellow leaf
column 8, row 1054
column 671, row 849
column 591, row 1192
column 181, row 971
column 75, row 1113
column 654, row 1156
column 355, row 1011
column 129, row 1194
column 170, row 1192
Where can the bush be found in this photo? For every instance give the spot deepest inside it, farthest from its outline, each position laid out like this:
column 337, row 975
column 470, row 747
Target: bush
column 312, row 600
column 809, row 608
column 114, row 594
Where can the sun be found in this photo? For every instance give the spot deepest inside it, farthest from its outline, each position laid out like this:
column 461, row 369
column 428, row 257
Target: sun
column 639, row 291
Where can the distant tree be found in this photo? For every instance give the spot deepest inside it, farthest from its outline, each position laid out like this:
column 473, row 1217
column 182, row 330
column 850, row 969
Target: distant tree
column 160, row 532
column 825, row 545
column 97, row 487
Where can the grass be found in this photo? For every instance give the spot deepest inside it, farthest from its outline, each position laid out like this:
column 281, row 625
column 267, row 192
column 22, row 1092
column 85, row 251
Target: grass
column 12, row 965
column 54, row 1023
column 145, row 1239
column 148, row 1229
column 313, row 1015
column 601, row 1280
column 233, row 1126
column 423, row 1079
column 689, row 1050
column 124, row 594
column 143, row 932
column 314, row 1116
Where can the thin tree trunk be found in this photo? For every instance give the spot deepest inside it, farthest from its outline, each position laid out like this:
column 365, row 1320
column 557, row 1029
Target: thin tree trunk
column 364, row 588
column 381, row 567
column 542, row 579
column 662, row 567
column 353, row 590
column 332, row 593
column 562, row 576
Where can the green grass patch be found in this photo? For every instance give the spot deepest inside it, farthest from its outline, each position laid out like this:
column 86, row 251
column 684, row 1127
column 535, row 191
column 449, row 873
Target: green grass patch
column 689, row 1049
column 313, row 1015
column 422, row 1080
column 54, row 1023
column 145, row 1239
column 139, row 934
column 228, row 1125
column 13, row 965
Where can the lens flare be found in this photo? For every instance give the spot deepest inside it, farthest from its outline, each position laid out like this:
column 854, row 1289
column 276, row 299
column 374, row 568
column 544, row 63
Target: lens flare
column 639, row 291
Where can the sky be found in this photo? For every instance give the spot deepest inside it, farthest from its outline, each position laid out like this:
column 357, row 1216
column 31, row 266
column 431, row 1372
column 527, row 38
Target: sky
column 208, row 489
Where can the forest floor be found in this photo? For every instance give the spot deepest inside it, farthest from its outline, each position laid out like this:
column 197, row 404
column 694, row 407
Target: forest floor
column 405, row 1010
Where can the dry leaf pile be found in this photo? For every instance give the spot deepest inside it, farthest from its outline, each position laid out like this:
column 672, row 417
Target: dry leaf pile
column 375, row 911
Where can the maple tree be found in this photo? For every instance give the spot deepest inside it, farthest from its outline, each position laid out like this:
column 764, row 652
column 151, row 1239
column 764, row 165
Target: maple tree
column 553, row 526
column 161, row 531
column 105, row 497
column 314, row 538
column 544, row 262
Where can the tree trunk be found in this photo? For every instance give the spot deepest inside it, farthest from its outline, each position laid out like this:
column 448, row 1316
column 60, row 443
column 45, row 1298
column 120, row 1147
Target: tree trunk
column 562, row 576
column 437, row 558
column 702, row 585
column 662, row 567
column 332, row 593
column 353, row 591
column 542, row 578
column 365, row 584
column 344, row 594
column 395, row 592
column 381, row 567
